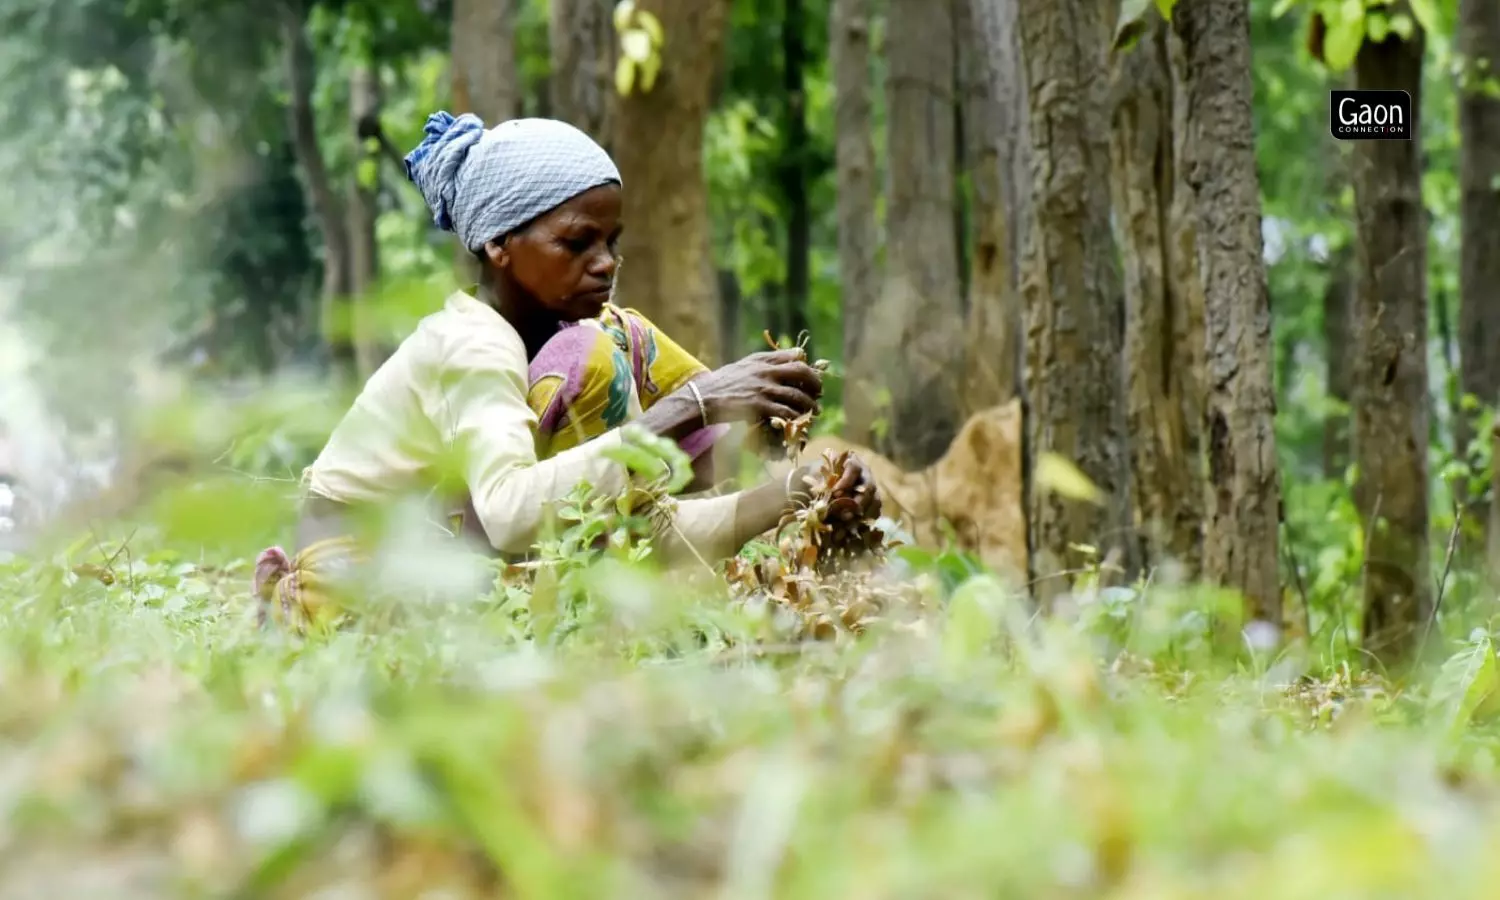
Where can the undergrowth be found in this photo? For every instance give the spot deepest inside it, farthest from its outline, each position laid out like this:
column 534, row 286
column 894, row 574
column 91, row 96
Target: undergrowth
column 588, row 726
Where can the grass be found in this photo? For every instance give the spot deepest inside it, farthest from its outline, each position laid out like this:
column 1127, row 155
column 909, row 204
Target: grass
column 618, row 734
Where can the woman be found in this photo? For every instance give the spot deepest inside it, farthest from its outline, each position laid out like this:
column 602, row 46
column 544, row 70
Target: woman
column 512, row 392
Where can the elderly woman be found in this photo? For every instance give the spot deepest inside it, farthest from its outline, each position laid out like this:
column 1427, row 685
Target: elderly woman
column 517, row 387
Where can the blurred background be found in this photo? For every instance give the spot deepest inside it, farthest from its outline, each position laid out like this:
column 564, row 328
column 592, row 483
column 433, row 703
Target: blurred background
column 206, row 200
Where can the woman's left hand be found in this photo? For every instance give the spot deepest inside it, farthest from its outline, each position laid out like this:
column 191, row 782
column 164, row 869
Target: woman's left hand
column 856, row 495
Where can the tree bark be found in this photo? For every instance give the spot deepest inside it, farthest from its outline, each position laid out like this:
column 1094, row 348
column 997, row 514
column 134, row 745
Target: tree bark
column 1244, row 491
column 1391, row 401
column 793, row 171
column 1072, row 291
column 486, row 78
column 1338, row 349
column 301, row 74
column 1478, row 41
column 364, row 193
column 583, row 64
column 859, row 239
column 918, row 317
column 993, row 333
column 668, row 270
column 1163, row 303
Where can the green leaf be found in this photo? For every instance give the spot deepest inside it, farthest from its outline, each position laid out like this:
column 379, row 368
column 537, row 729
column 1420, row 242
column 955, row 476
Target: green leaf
column 1402, row 25
column 649, row 70
column 652, row 26
column 1466, row 681
column 1056, row 474
column 624, row 76
column 1165, row 7
column 1282, row 7
column 1437, row 17
column 1346, row 32
column 636, row 45
column 1377, row 26
column 623, row 11
column 1132, row 23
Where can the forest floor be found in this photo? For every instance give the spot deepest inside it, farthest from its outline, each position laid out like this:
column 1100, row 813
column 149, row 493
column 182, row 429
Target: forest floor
column 617, row 735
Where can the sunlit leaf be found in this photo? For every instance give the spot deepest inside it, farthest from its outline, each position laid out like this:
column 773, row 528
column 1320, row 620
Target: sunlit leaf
column 623, row 11
column 636, row 45
column 1059, row 475
column 624, row 76
column 652, row 25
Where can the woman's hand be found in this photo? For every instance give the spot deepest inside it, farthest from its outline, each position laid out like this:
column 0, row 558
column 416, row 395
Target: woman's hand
column 774, row 383
column 855, row 496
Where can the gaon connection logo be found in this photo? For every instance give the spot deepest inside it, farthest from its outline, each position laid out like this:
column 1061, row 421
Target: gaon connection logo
column 1370, row 115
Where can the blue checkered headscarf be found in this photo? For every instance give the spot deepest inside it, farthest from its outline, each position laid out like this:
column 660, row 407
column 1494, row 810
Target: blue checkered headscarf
column 482, row 184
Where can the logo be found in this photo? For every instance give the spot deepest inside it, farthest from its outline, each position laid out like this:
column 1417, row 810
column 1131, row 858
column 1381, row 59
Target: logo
column 1370, row 115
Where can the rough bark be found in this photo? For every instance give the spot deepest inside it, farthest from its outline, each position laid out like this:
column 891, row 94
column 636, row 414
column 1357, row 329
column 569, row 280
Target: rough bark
column 364, row 250
column 668, row 271
column 1478, row 42
column 1163, row 303
column 1338, row 349
column 1071, row 290
column 583, row 63
column 486, row 80
column 322, row 198
column 1244, row 491
column 998, row 20
column 1391, row 401
column 793, row 170
column 918, row 317
column 859, row 239
column 993, row 332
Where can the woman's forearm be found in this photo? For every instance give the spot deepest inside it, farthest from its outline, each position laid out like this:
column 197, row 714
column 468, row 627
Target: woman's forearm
column 760, row 508
column 674, row 416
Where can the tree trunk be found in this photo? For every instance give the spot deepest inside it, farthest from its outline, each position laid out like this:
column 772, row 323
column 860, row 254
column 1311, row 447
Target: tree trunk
column 583, row 64
column 1338, row 349
column 1390, row 373
column 364, row 193
column 793, row 171
column 1478, row 39
column 301, row 75
column 1072, row 292
column 486, row 80
column 1244, row 492
column 1163, row 301
column 668, row 270
column 917, row 321
column 993, row 333
column 859, row 239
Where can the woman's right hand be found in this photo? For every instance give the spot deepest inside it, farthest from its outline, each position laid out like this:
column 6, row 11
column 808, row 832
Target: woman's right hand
column 770, row 384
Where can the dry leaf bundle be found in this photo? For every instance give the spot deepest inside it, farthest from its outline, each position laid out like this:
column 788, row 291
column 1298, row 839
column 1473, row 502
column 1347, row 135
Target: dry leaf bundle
column 825, row 572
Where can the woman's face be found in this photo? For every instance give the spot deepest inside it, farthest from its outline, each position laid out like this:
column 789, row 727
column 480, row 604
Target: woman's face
column 565, row 260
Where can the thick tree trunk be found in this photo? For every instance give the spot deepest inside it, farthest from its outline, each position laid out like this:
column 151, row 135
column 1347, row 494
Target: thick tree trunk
column 1390, row 374
column 486, row 80
column 1072, row 292
column 916, row 327
column 793, row 171
column 364, row 192
column 1478, row 39
column 668, row 270
column 859, row 239
column 993, row 335
column 1338, row 350
column 322, row 198
column 1163, row 301
column 583, row 63
column 1244, row 492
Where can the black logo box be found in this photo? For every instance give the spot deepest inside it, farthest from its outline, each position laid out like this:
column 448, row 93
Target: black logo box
column 1370, row 115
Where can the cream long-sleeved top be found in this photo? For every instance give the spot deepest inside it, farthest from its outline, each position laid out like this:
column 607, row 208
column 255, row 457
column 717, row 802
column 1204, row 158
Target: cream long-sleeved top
column 452, row 398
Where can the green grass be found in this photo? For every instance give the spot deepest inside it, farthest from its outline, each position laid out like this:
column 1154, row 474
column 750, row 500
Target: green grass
column 620, row 735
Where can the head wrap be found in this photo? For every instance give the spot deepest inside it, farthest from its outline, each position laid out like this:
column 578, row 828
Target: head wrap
column 482, row 184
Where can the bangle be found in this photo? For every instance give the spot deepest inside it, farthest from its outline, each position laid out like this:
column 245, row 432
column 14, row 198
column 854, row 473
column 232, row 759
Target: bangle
column 702, row 407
